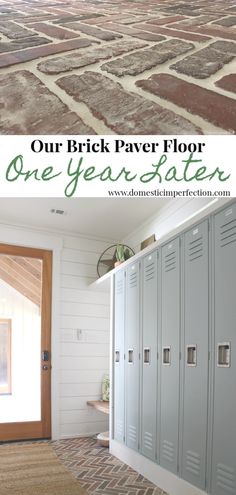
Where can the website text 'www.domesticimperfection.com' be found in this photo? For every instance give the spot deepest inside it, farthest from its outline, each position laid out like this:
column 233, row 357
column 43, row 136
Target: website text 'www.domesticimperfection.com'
column 169, row 193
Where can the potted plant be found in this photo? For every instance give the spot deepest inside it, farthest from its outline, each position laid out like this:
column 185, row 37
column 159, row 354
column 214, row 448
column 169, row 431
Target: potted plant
column 122, row 254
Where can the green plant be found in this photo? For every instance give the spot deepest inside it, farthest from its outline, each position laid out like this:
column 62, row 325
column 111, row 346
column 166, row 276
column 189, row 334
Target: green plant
column 122, row 253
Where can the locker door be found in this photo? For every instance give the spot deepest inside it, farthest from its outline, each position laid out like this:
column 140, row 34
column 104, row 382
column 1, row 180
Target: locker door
column 224, row 420
column 170, row 342
column 132, row 356
column 149, row 355
column 119, row 382
column 195, row 355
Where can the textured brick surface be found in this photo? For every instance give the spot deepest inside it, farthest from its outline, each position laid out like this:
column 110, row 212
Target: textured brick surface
column 14, row 31
column 133, row 31
column 172, row 32
column 92, row 31
column 228, row 21
column 124, row 112
column 192, row 41
column 6, row 46
column 228, row 83
column 54, row 31
column 99, row 472
column 140, row 61
column 43, row 51
column 26, row 111
column 166, row 20
column 215, row 108
column 76, row 60
column 206, row 61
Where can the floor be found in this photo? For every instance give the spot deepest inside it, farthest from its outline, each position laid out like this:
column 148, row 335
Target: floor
column 117, row 66
column 99, row 472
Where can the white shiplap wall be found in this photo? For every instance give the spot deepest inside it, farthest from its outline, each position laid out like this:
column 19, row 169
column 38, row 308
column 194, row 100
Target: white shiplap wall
column 84, row 338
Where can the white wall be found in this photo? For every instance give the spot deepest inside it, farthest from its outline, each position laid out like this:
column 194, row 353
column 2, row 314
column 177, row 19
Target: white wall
column 168, row 218
column 84, row 338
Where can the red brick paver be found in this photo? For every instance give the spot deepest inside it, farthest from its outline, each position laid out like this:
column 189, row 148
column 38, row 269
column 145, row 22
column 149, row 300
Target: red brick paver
column 17, row 115
column 217, row 109
column 228, row 83
column 124, row 112
column 188, row 45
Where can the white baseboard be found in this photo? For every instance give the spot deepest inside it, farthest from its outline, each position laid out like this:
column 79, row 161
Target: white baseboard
column 159, row 476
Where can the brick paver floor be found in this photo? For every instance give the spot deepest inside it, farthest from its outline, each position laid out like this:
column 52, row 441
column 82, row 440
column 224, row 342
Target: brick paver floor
column 117, row 66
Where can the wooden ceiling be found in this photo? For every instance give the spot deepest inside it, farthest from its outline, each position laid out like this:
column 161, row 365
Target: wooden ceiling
column 24, row 275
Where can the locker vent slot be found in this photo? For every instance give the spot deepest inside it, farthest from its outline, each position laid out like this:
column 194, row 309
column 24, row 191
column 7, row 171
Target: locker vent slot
column 170, row 261
column 228, row 233
column 119, row 287
column 130, row 356
column 225, row 478
column 132, row 434
column 147, row 355
column 191, row 354
column 133, row 280
column 147, row 441
column 168, row 451
column 117, row 353
column 193, row 463
column 119, row 429
column 223, row 355
column 196, row 248
column 149, row 272
column 166, row 359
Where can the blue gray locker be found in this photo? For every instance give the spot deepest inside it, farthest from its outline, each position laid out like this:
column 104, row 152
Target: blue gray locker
column 195, row 341
column 132, row 362
column 224, row 417
column 170, row 349
column 149, row 356
column 119, row 382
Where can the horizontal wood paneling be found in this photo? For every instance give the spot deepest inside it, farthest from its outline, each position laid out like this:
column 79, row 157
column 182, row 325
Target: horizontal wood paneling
column 84, row 338
column 78, row 269
column 84, row 322
column 83, row 429
column 72, row 363
column 78, row 256
column 84, row 350
column 84, row 309
column 75, row 282
column 87, row 297
column 76, row 403
column 90, row 415
column 83, row 376
column 81, row 390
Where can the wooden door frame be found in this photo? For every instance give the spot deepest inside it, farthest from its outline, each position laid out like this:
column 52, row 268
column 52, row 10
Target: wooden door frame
column 36, row 429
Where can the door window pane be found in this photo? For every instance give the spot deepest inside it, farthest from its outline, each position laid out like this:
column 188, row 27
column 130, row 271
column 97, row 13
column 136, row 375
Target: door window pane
column 5, row 356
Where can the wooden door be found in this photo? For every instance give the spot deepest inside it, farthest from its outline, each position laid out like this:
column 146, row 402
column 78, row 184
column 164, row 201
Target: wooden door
column 19, row 273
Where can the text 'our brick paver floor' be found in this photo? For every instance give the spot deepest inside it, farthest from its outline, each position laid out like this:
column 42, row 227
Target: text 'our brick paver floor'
column 117, row 67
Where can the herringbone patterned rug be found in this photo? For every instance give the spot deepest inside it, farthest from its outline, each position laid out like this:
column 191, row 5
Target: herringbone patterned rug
column 99, row 472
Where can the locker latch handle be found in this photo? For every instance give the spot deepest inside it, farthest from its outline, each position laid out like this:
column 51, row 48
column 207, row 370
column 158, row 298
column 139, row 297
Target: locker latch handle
column 191, row 355
column 146, row 355
column 166, row 357
column 117, row 356
column 130, row 356
column 224, row 355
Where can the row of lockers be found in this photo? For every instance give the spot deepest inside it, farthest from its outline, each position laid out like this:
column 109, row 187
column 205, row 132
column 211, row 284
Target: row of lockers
column 175, row 354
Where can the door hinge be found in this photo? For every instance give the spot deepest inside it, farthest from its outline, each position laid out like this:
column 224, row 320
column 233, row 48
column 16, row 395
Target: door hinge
column 180, row 356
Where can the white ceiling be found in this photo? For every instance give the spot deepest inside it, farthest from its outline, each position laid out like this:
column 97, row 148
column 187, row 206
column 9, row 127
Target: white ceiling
column 99, row 217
